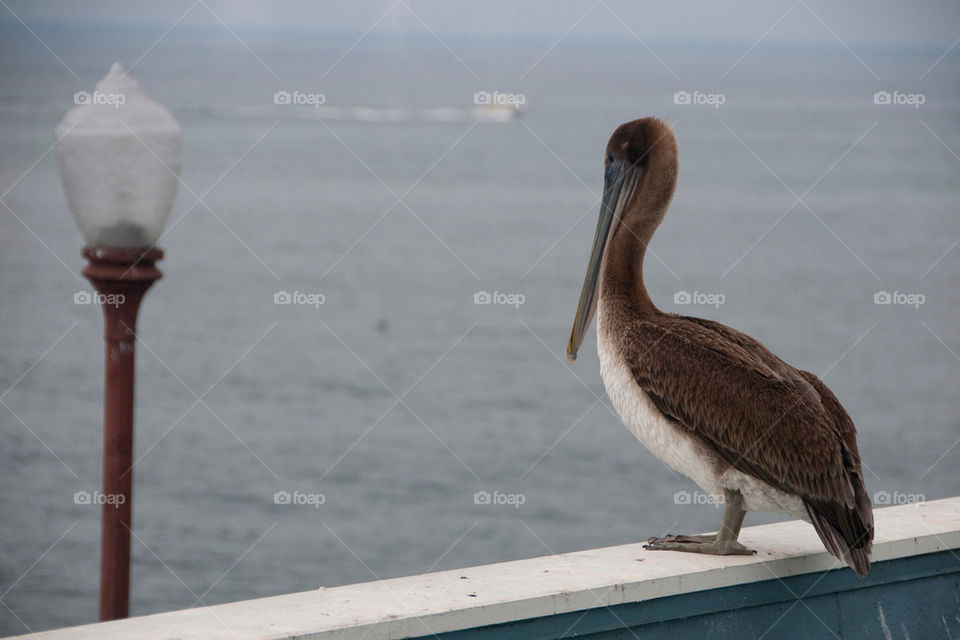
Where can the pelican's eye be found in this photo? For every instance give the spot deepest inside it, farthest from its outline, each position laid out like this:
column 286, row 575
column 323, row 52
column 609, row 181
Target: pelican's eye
column 610, row 157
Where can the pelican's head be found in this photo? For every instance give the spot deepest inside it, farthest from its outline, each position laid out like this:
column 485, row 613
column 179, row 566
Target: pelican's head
column 633, row 149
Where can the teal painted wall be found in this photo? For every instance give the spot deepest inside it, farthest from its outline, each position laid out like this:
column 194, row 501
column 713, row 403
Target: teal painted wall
column 919, row 597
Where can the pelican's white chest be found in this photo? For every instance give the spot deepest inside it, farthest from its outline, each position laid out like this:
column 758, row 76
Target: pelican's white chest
column 665, row 440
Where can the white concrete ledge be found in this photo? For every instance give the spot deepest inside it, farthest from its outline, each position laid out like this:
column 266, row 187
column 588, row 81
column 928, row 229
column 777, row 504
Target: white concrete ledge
column 510, row 591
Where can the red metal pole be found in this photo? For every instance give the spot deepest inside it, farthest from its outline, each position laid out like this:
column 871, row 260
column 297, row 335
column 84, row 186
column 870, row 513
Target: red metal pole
column 121, row 276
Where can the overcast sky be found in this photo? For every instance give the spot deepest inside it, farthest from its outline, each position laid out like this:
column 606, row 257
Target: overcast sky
column 926, row 23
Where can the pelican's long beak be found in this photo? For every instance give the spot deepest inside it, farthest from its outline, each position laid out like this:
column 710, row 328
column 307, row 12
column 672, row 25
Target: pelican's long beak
column 618, row 175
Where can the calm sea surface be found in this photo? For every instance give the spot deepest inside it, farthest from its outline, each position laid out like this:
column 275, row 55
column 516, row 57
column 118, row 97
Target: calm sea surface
column 398, row 399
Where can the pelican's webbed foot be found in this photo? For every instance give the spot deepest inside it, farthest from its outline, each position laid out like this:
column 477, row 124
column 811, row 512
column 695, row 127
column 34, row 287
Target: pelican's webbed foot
column 723, row 543
column 698, row 544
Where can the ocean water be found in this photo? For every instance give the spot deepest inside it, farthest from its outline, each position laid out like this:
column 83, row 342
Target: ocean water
column 398, row 399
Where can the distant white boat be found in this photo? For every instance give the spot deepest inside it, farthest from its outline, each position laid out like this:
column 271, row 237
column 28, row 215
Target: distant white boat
column 358, row 113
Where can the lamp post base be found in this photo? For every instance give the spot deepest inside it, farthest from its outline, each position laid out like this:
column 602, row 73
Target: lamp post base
column 121, row 275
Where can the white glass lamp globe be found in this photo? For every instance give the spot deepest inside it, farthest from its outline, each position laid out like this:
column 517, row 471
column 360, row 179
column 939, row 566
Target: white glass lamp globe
column 119, row 154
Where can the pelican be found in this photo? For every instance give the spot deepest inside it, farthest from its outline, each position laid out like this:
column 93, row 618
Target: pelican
column 709, row 401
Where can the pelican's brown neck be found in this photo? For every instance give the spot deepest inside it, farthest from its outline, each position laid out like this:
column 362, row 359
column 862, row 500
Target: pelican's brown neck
column 622, row 271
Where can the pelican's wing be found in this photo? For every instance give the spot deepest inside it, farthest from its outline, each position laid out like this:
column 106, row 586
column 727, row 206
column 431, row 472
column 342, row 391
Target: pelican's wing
column 762, row 416
column 860, row 518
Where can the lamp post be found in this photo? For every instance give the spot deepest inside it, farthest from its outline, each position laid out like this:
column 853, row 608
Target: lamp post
column 119, row 155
